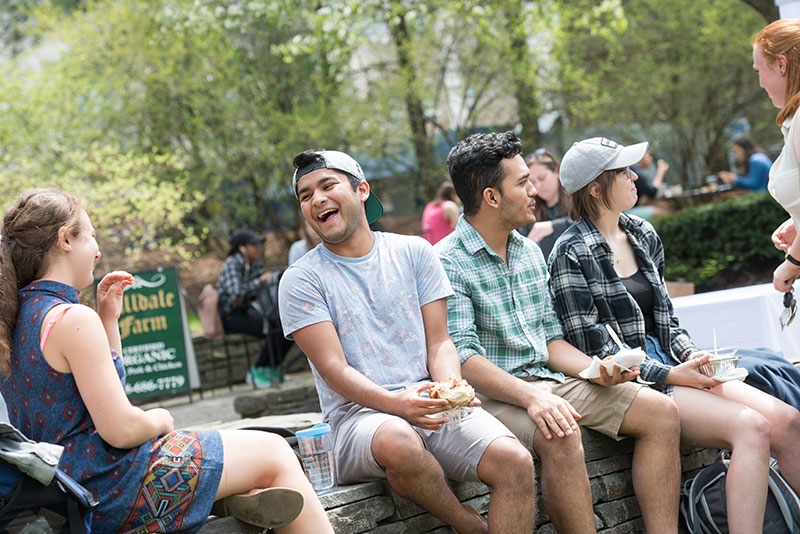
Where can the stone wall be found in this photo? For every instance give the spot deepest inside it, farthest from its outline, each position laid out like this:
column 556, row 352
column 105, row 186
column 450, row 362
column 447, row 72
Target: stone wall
column 374, row 508
column 222, row 362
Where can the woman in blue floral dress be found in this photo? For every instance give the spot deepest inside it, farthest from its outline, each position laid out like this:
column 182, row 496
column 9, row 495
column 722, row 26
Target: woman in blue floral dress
column 65, row 385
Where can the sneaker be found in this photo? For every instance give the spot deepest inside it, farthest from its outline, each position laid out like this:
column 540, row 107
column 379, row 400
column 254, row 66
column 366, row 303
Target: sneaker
column 260, row 376
column 266, row 508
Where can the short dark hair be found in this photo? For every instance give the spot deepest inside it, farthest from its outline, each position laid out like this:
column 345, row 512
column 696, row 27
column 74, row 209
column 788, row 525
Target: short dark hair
column 474, row 165
column 307, row 157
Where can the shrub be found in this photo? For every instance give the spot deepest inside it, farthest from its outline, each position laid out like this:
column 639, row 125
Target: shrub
column 723, row 244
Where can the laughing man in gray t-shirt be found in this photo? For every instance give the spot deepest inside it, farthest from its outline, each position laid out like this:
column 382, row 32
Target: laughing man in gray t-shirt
column 369, row 310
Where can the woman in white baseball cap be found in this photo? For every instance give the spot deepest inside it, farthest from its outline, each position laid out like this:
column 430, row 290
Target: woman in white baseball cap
column 607, row 274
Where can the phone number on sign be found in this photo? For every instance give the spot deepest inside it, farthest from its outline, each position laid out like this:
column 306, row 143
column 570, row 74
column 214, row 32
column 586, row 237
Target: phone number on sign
column 164, row 383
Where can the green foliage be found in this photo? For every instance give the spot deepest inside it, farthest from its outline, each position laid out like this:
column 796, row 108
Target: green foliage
column 722, row 244
column 139, row 203
column 664, row 64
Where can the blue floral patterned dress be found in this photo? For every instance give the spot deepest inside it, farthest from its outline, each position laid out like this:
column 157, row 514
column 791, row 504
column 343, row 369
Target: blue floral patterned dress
column 167, row 484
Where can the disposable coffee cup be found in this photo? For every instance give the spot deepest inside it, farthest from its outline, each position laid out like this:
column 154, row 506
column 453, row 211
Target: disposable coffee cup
column 316, row 450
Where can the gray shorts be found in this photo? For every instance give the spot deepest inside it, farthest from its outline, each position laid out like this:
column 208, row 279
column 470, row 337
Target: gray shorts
column 458, row 450
column 601, row 408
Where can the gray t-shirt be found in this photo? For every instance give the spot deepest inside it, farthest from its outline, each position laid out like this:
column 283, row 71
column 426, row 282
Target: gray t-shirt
column 374, row 302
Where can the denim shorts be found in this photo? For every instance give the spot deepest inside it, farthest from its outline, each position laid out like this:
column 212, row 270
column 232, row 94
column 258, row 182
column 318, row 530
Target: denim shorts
column 656, row 352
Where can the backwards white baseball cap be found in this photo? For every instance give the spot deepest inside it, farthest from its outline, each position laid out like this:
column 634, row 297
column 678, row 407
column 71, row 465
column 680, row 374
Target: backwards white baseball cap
column 339, row 161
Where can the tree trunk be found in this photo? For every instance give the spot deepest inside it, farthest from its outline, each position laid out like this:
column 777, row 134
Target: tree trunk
column 429, row 176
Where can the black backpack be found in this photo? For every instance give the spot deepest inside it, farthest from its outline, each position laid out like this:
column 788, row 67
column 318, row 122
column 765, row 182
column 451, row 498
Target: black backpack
column 50, row 502
column 704, row 509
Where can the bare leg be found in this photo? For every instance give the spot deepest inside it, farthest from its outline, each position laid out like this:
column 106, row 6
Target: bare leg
column 565, row 482
column 277, row 466
column 652, row 419
column 784, row 424
column 708, row 420
column 415, row 474
column 508, row 468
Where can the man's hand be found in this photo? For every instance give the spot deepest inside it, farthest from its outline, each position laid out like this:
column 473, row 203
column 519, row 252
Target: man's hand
column 416, row 409
column 552, row 414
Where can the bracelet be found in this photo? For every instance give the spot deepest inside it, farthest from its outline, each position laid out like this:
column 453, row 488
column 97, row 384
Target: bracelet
column 791, row 259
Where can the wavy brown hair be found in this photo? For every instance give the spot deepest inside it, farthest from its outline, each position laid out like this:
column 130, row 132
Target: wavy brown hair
column 782, row 38
column 30, row 229
column 547, row 159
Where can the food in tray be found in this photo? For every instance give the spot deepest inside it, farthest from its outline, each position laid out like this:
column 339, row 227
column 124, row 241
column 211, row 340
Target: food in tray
column 719, row 366
column 456, row 391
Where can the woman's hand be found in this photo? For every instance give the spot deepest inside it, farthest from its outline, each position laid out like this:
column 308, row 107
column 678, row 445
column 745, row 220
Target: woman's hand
column 616, row 376
column 727, row 177
column 784, row 235
column 688, row 373
column 109, row 294
column 540, row 230
column 784, row 276
column 162, row 420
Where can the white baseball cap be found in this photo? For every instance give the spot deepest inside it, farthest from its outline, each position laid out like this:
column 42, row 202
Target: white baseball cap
column 587, row 159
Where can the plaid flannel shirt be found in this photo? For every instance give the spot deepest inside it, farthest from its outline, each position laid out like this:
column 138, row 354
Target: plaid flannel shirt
column 588, row 294
column 238, row 282
column 500, row 311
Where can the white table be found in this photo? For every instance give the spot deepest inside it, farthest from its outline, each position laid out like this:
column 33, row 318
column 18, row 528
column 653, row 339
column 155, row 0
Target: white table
column 745, row 317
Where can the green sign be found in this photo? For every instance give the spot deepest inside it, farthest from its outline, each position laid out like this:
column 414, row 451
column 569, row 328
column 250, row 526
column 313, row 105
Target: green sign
column 156, row 347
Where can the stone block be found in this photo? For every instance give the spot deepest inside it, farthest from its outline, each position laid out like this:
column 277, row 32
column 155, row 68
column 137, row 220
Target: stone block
column 342, row 495
column 361, row 516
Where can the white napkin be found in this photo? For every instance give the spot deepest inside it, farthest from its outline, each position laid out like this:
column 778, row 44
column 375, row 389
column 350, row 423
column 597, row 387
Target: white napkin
column 624, row 359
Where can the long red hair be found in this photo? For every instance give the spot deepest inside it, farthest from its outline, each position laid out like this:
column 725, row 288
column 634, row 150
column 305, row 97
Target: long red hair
column 782, row 38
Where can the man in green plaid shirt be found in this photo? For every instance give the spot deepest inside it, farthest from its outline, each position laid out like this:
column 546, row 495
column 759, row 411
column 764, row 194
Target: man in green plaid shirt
column 512, row 350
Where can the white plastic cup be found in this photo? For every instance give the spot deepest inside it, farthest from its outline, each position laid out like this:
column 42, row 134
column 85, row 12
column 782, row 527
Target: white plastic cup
column 316, row 449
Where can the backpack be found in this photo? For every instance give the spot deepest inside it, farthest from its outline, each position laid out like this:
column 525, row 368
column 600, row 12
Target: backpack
column 704, row 509
column 267, row 303
column 36, row 496
column 208, row 313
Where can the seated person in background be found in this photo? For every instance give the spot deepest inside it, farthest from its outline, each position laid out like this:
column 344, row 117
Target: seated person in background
column 552, row 202
column 607, row 271
column 64, row 380
column 648, row 187
column 755, row 166
column 512, row 350
column 248, row 304
column 369, row 311
column 441, row 214
column 301, row 246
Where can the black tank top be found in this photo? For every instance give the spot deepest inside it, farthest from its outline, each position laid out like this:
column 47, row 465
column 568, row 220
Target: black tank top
column 641, row 291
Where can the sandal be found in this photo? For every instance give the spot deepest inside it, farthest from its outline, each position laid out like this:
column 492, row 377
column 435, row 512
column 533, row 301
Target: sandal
column 265, row 508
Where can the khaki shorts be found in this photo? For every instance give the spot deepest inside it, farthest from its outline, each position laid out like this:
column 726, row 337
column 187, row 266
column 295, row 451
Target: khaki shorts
column 601, row 408
column 457, row 450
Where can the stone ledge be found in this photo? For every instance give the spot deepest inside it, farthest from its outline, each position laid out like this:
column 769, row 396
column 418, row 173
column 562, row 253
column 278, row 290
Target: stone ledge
column 374, row 507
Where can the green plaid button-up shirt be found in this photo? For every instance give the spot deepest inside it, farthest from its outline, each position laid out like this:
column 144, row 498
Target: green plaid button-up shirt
column 502, row 312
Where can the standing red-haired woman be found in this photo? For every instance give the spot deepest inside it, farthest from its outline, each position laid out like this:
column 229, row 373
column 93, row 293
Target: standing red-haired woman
column 776, row 58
